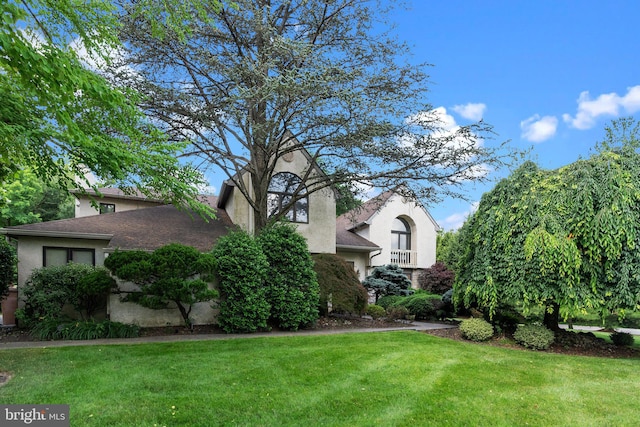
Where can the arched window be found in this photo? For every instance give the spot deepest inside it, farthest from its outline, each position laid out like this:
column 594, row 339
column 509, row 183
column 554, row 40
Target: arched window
column 400, row 235
column 281, row 190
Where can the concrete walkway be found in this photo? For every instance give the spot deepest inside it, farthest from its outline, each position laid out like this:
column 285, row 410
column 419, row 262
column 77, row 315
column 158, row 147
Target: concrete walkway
column 414, row 326
column 598, row 328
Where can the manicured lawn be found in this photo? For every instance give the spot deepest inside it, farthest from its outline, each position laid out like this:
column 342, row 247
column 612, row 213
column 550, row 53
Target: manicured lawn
column 374, row 379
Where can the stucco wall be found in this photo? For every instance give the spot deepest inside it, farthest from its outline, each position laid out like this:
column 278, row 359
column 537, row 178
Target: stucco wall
column 84, row 207
column 360, row 261
column 30, row 252
column 423, row 231
column 320, row 232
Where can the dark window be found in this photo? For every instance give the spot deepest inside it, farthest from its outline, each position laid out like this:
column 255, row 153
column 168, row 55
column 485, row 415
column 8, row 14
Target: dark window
column 62, row 256
column 282, row 189
column 107, row 208
column 400, row 235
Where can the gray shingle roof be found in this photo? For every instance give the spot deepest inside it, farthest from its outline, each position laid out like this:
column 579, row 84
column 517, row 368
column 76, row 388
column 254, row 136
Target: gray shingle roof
column 147, row 229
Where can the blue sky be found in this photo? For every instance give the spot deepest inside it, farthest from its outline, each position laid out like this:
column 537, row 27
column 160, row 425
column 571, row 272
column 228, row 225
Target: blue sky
column 548, row 74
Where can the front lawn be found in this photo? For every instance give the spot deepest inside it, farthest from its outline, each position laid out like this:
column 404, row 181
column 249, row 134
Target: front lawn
column 376, row 379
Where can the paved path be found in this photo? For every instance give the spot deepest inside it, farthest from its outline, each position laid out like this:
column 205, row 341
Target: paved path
column 415, row 326
column 597, row 328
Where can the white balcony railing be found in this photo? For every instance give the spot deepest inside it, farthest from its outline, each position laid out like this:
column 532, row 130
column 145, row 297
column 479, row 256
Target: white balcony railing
column 405, row 259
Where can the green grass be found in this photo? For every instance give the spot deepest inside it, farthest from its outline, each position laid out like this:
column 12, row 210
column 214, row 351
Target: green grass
column 376, row 379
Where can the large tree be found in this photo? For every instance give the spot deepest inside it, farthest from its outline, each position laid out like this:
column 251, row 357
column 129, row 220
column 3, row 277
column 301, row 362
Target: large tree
column 248, row 83
column 60, row 117
column 566, row 239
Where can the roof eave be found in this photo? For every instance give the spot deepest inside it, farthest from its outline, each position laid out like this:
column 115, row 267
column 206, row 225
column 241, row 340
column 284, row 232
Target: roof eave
column 55, row 234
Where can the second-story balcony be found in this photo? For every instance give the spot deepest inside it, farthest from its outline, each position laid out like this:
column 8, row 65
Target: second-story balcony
column 404, row 259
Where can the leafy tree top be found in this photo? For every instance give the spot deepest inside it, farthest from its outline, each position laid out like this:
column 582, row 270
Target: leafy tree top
column 567, row 237
column 60, row 117
column 256, row 80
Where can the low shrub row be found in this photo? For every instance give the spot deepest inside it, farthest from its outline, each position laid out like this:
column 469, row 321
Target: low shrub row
column 53, row 329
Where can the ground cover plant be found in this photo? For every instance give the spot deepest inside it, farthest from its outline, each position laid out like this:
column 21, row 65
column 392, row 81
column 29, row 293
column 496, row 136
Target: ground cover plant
column 383, row 379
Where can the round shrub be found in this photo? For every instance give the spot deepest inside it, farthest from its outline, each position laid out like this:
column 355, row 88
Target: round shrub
column 622, row 338
column 375, row 311
column 421, row 305
column 389, row 301
column 397, row 312
column 534, row 336
column 476, row 329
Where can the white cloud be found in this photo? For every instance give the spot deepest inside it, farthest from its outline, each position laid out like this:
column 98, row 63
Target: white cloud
column 471, row 111
column 455, row 221
column 607, row 104
column 538, row 129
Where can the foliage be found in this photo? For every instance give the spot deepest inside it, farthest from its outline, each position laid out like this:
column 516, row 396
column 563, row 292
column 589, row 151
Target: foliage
column 49, row 289
column 390, row 301
column 8, row 266
column 534, row 336
column 339, row 285
column 565, row 239
column 436, row 279
column 55, row 329
column 396, row 312
column 292, row 285
column 475, row 329
column 286, row 80
column 622, row 338
column 505, row 319
column 346, row 198
column 376, row 311
column 61, row 117
column 174, row 273
column 25, row 198
column 241, row 267
column 448, row 248
column 388, row 280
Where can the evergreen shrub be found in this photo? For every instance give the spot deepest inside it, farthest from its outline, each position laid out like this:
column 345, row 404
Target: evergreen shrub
column 241, row 268
column 375, row 311
column 291, row 286
column 476, row 329
column 534, row 336
column 49, row 289
column 622, row 338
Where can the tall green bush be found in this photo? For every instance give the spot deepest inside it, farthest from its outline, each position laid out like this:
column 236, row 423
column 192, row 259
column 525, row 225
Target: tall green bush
column 49, row 289
column 339, row 285
column 7, row 266
column 292, row 285
column 174, row 273
column 241, row 268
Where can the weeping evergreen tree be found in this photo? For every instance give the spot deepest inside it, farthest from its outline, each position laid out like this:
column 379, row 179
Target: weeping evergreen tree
column 565, row 239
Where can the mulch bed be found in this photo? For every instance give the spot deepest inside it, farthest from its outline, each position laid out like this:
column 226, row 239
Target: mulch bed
column 567, row 342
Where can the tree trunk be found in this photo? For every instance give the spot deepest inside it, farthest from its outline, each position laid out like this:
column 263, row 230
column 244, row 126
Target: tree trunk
column 552, row 316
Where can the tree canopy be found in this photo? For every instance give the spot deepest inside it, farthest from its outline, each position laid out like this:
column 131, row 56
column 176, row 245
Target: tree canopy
column 565, row 239
column 257, row 79
column 61, row 118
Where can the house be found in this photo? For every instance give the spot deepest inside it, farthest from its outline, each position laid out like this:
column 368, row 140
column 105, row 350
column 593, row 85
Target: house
column 127, row 222
column 404, row 232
